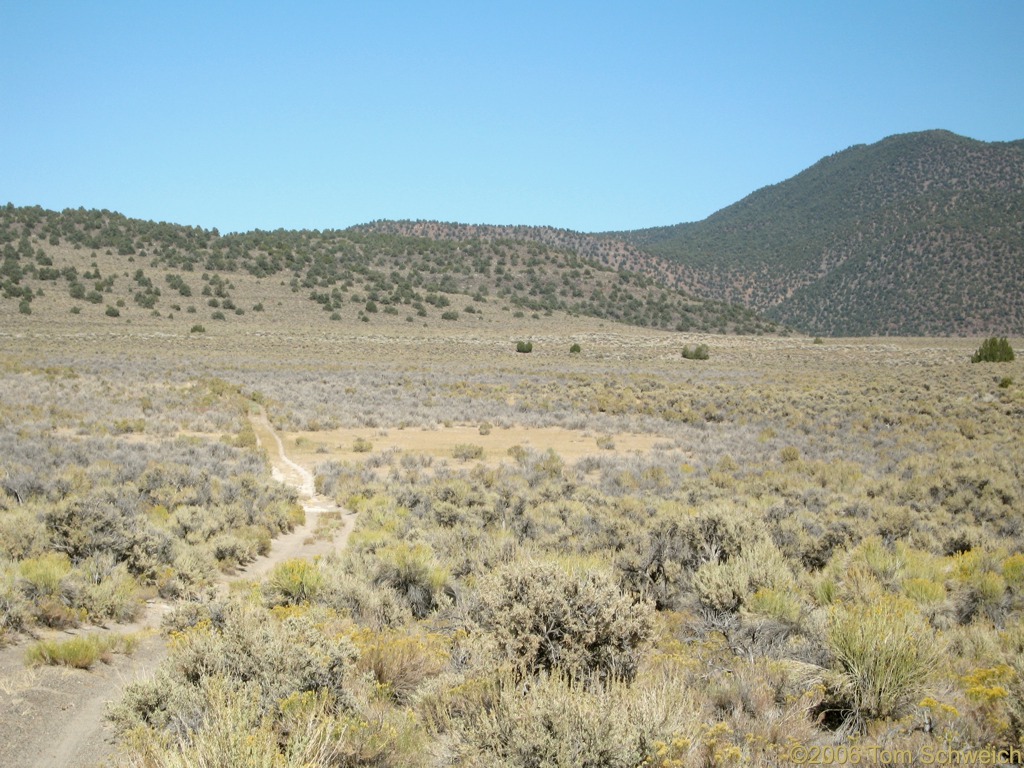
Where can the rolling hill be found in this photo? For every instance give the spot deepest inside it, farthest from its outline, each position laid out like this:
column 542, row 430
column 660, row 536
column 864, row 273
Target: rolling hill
column 918, row 234
column 104, row 266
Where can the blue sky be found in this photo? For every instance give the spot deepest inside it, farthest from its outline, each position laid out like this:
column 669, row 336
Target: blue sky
column 586, row 115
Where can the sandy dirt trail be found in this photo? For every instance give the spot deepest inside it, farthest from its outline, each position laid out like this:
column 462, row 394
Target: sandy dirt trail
column 53, row 717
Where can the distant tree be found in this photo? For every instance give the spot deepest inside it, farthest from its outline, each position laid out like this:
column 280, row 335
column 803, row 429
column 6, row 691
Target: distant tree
column 994, row 350
column 524, row 346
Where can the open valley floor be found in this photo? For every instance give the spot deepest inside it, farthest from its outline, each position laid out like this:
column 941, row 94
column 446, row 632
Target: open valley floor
column 389, row 544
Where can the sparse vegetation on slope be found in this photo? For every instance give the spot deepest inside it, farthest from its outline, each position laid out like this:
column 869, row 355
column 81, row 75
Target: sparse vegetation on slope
column 156, row 268
column 918, row 234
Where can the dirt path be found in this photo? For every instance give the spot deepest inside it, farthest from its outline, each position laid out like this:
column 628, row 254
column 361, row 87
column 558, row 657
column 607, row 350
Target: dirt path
column 52, row 717
column 298, row 543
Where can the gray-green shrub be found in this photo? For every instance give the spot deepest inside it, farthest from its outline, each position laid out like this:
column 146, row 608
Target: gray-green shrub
column 243, row 645
column 545, row 618
column 698, row 352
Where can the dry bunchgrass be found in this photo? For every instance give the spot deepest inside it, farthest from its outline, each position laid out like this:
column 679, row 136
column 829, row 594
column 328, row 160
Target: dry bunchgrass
column 884, row 657
column 81, row 651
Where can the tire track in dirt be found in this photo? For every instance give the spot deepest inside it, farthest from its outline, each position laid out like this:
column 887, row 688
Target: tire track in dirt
column 299, row 542
column 53, row 717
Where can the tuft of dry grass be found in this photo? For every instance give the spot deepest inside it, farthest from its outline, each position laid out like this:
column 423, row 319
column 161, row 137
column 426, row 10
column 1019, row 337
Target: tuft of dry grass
column 884, row 655
column 81, row 651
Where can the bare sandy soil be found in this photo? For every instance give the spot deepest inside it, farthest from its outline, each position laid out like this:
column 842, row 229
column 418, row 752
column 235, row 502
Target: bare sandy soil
column 53, row 717
column 571, row 445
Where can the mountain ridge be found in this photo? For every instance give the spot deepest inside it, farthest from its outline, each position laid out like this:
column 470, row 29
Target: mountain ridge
column 917, row 234
column 941, row 209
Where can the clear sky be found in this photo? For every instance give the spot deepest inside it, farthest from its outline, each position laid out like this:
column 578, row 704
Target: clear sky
column 582, row 114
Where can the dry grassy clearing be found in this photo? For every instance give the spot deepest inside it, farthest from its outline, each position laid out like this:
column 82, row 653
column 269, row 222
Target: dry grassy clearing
column 616, row 557
column 445, row 442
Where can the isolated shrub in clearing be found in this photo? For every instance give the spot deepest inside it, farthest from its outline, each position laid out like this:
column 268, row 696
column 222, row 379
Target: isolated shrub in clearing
column 467, row 451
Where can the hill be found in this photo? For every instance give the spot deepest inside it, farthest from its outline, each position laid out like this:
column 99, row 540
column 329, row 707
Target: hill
column 613, row 252
column 918, row 234
column 100, row 264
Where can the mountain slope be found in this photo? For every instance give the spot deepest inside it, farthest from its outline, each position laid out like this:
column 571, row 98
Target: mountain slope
column 919, row 233
column 613, row 252
column 102, row 264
